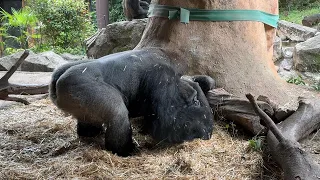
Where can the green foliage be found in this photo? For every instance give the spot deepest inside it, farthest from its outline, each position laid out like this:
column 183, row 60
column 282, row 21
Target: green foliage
column 10, row 50
column 316, row 86
column 289, row 5
column 66, row 23
column 296, row 80
column 296, row 16
column 116, row 11
column 256, row 143
column 23, row 19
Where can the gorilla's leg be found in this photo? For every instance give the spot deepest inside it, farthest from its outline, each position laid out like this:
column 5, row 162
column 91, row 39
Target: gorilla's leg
column 96, row 104
column 85, row 129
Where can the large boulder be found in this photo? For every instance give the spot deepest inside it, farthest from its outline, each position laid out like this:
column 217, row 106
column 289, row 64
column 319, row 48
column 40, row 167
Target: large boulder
column 42, row 62
column 116, row 37
column 7, row 62
column 72, row 57
column 277, row 49
column 295, row 32
column 307, row 55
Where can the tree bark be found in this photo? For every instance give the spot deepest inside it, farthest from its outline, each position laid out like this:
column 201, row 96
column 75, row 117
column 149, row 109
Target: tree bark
column 238, row 54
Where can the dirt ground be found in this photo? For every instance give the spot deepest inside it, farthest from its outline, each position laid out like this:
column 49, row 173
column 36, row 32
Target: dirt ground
column 38, row 141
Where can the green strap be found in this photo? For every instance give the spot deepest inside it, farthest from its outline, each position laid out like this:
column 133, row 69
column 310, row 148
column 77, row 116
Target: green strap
column 185, row 15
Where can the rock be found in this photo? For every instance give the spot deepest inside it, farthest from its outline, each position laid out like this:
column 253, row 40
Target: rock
column 287, row 52
column 7, row 62
column 277, row 46
column 306, row 55
column 312, row 76
column 311, row 20
column 286, row 75
column 116, row 37
column 295, row 32
column 43, row 62
column 71, row 57
column 286, row 64
column 318, row 33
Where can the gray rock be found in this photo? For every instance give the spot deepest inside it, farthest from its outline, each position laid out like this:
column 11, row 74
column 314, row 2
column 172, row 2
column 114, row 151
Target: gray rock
column 295, row 32
column 306, row 55
column 312, row 76
column 43, row 62
column 287, row 52
column 277, row 46
column 286, row 75
column 286, row 64
column 7, row 62
column 116, row 37
column 318, row 33
column 71, row 57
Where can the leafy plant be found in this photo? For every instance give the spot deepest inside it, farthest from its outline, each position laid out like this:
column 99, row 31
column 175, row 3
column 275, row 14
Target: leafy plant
column 316, row 86
column 66, row 23
column 256, row 143
column 23, row 19
column 116, row 11
column 296, row 80
column 3, row 34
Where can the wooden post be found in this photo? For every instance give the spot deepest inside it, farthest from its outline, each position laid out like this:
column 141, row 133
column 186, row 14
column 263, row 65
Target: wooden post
column 102, row 7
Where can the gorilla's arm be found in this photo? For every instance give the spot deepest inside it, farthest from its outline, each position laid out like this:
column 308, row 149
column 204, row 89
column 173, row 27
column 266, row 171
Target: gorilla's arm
column 205, row 82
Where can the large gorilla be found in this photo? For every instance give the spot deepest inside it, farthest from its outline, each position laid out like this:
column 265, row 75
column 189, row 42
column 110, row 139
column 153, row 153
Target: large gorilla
column 135, row 9
column 102, row 94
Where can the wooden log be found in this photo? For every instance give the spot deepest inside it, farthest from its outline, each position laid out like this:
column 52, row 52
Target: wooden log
column 237, row 110
column 7, row 88
column 283, row 139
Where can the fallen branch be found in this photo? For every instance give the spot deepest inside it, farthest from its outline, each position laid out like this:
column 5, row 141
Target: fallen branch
column 7, row 88
column 283, row 140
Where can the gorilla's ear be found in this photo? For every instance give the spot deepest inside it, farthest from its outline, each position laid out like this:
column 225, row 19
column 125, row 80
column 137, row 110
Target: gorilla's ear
column 188, row 93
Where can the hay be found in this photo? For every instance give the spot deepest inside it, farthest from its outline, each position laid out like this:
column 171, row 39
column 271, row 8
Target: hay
column 39, row 141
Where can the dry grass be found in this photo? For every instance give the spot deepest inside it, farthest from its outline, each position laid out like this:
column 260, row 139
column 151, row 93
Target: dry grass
column 39, row 142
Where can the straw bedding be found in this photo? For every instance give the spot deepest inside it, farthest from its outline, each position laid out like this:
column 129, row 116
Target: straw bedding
column 39, row 141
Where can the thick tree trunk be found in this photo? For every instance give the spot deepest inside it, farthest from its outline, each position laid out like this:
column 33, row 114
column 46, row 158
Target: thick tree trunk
column 237, row 54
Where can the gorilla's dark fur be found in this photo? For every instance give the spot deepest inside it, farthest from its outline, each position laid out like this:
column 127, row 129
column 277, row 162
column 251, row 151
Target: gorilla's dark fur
column 102, row 94
column 135, row 9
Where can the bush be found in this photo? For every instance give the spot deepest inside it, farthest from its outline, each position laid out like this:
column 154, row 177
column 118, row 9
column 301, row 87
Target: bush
column 116, row 11
column 297, row 4
column 66, row 23
column 24, row 20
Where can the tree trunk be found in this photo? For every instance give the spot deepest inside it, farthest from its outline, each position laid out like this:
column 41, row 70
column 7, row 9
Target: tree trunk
column 238, row 54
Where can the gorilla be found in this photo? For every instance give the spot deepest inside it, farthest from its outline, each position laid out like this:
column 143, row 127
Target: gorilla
column 102, row 94
column 135, row 9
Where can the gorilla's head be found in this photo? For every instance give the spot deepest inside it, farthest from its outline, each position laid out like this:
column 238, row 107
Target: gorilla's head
column 186, row 116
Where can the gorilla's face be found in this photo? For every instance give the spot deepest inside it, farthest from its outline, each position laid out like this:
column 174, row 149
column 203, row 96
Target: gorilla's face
column 189, row 116
column 193, row 122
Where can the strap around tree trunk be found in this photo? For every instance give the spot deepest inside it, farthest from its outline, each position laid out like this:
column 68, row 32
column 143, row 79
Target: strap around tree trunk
column 185, row 15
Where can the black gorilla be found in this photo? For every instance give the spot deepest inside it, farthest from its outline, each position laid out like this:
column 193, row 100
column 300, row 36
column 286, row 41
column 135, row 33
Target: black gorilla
column 135, row 9
column 102, row 94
